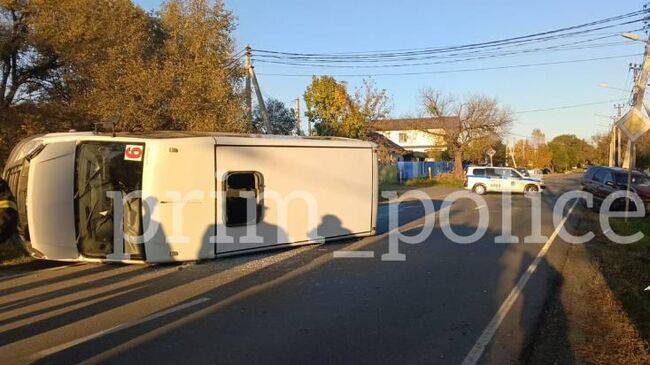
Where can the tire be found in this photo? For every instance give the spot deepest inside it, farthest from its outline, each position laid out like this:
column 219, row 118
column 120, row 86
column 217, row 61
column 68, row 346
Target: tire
column 480, row 189
column 596, row 206
column 531, row 189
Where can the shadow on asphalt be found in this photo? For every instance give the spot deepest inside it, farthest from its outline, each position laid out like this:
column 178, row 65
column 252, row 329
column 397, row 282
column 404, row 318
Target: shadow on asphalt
column 328, row 311
column 308, row 306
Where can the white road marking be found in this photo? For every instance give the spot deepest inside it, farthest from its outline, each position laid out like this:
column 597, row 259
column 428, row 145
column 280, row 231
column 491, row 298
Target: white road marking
column 488, row 333
column 354, row 254
column 67, row 345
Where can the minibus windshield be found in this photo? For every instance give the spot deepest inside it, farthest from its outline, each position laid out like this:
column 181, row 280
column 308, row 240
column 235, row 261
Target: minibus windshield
column 100, row 168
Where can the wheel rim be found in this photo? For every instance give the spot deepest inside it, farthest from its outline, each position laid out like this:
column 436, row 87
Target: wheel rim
column 532, row 189
column 480, row 189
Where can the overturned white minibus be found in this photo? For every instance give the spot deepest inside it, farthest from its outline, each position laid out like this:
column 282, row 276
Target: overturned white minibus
column 181, row 196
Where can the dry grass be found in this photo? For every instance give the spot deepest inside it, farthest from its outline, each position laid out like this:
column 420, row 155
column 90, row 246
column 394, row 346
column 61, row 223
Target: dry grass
column 449, row 180
column 602, row 312
column 611, row 308
column 602, row 332
column 627, row 270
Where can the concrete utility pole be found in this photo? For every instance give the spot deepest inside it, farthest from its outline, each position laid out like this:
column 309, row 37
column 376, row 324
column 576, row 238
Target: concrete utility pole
column 639, row 94
column 612, row 147
column 619, row 149
column 248, row 92
column 298, row 129
column 251, row 78
column 260, row 102
column 618, row 160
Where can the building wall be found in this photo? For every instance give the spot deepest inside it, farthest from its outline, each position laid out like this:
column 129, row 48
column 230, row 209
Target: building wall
column 416, row 140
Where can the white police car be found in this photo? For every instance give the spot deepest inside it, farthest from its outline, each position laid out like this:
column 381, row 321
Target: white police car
column 482, row 179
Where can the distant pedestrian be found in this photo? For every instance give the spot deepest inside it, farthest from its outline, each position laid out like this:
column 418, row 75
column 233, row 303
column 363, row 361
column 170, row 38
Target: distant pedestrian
column 8, row 212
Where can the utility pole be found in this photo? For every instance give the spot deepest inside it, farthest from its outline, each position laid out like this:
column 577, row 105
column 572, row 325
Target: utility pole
column 641, row 76
column 248, row 92
column 639, row 95
column 297, row 111
column 251, row 78
column 619, row 108
column 618, row 160
column 612, row 147
column 260, row 102
column 619, row 149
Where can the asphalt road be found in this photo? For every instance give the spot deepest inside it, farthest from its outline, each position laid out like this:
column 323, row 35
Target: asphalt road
column 299, row 305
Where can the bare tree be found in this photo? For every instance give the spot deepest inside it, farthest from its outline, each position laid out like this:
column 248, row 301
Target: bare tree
column 477, row 117
column 25, row 67
column 372, row 102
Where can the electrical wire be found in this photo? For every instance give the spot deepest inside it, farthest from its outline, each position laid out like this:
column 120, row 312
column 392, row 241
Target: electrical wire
column 457, row 70
column 558, row 47
column 400, row 65
column 235, row 58
column 568, row 106
column 526, row 38
column 293, row 60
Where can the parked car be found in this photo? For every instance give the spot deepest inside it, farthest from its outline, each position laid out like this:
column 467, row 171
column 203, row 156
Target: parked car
column 483, row 180
column 602, row 181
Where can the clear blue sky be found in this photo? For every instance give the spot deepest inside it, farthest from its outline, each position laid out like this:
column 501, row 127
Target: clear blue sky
column 362, row 25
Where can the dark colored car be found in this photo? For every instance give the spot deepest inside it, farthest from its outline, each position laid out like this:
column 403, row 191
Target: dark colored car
column 602, row 181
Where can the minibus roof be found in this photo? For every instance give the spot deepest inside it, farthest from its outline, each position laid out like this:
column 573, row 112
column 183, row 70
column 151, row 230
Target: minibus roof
column 218, row 138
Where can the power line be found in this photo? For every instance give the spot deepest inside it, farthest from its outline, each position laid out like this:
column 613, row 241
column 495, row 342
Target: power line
column 550, row 49
column 492, row 51
column 568, row 106
column 235, row 58
column 457, row 70
column 542, row 36
column 496, row 51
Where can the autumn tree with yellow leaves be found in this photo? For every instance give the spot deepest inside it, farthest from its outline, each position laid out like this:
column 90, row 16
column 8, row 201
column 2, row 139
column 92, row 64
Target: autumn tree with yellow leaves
column 72, row 63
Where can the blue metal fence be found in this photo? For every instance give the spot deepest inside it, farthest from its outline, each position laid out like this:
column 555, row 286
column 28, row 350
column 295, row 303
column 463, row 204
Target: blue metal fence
column 411, row 170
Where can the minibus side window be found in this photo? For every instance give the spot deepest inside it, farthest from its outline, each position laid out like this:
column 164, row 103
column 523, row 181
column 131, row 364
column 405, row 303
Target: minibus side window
column 241, row 187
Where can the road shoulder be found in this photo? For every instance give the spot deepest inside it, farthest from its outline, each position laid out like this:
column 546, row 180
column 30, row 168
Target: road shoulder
column 584, row 321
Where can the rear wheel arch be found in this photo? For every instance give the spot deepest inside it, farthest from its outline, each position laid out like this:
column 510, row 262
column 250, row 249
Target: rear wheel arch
column 531, row 188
